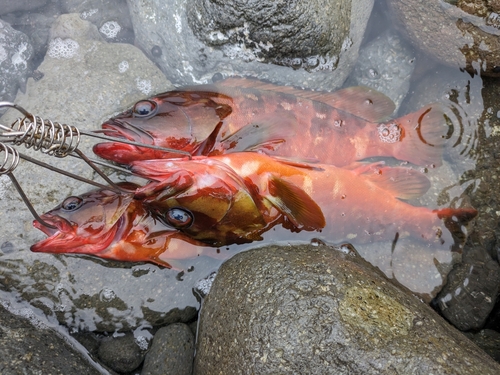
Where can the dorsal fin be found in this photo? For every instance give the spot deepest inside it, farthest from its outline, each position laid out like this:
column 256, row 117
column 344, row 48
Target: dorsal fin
column 360, row 101
column 404, row 183
column 295, row 204
column 265, row 132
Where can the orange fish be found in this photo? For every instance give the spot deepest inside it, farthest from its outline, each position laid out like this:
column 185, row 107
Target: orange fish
column 359, row 205
column 238, row 114
column 236, row 198
column 114, row 226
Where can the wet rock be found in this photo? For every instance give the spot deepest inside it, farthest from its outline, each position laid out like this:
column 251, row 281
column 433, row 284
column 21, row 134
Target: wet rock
column 112, row 18
column 488, row 340
column 172, row 351
column 472, row 288
column 37, row 27
column 85, row 81
column 7, row 6
column 482, row 181
column 275, row 32
column 202, row 287
column 385, row 64
column 121, row 354
column 453, row 32
column 238, row 42
column 15, row 54
column 25, row 349
column 275, row 310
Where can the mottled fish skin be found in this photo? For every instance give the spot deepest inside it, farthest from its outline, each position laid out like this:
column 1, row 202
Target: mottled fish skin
column 238, row 114
column 237, row 198
column 117, row 227
column 359, row 205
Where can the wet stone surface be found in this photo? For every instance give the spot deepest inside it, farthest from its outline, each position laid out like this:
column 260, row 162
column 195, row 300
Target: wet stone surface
column 386, row 65
column 25, row 349
column 121, row 354
column 229, row 45
column 456, row 36
column 172, row 351
column 274, row 32
column 316, row 308
column 15, row 54
column 468, row 297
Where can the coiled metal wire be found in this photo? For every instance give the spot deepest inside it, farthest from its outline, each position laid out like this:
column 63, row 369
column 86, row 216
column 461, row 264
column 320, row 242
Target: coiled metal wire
column 52, row 138
column 10, row 159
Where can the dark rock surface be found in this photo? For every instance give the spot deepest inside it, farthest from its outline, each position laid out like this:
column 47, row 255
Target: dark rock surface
column 25, row 350
column 233, row 46
column 277, row 32
column 121, row 354
column 172, row 351
column 472, row 288
column 488, row 340
column 318, row 310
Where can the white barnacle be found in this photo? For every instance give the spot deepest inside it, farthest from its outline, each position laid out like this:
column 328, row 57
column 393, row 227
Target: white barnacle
column 389, row 133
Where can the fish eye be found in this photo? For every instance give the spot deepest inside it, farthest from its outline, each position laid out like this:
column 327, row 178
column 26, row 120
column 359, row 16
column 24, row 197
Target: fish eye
column 71, row 203
column 145, row 108
column 179, row 218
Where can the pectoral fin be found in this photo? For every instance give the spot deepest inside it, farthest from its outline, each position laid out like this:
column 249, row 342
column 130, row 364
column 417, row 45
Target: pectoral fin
column 266, row 132
column 403, row 183
column 295, row 204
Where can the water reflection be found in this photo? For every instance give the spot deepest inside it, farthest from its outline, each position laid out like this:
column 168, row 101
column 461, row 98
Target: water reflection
column 90, row 294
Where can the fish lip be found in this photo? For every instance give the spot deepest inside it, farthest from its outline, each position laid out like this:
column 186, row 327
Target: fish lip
column 63, row 229
column 124, row 129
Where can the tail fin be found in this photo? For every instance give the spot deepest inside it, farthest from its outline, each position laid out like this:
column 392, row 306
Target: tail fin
column 423, row 136
column 457, row 222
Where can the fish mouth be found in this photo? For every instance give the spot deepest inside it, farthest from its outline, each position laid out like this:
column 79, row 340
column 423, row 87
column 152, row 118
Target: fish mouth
column 61, row 234
column 126, row 130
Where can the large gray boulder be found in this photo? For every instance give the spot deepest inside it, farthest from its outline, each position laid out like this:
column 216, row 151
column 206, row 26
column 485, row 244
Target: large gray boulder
column 193, row 40
column 318, row 310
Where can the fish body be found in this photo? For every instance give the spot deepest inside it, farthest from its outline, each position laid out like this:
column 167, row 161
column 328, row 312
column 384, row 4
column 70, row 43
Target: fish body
column 207, row 202
column 358, row 205
column 113, row 226
column 237, row 115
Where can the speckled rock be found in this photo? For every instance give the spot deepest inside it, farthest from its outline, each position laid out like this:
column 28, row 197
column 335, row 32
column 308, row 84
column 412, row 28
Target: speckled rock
column 25, row 350
column 488, row 340
column 234, row 42
column 470, row 294
column 453, row 32
column 15, row 54
column 318, row 310
column 121, row 354
column 172, row 351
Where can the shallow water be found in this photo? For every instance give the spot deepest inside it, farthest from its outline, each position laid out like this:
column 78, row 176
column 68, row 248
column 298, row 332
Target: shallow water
column 83, row 293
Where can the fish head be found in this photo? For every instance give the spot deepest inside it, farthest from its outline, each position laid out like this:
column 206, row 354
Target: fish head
column 179, row 120
column 85, row 224
column 202, row 198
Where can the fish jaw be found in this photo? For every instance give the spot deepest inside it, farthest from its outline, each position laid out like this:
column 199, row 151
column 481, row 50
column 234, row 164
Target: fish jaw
column 125, row 153
column 66, row 239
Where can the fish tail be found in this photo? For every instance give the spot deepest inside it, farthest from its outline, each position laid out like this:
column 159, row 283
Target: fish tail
column 419, row 137
column 457, row 221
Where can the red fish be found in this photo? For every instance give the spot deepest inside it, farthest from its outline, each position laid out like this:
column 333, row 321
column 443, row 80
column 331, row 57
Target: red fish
column 114, row 226
column 237, row 198
column 237, row 114
column 360, row 205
